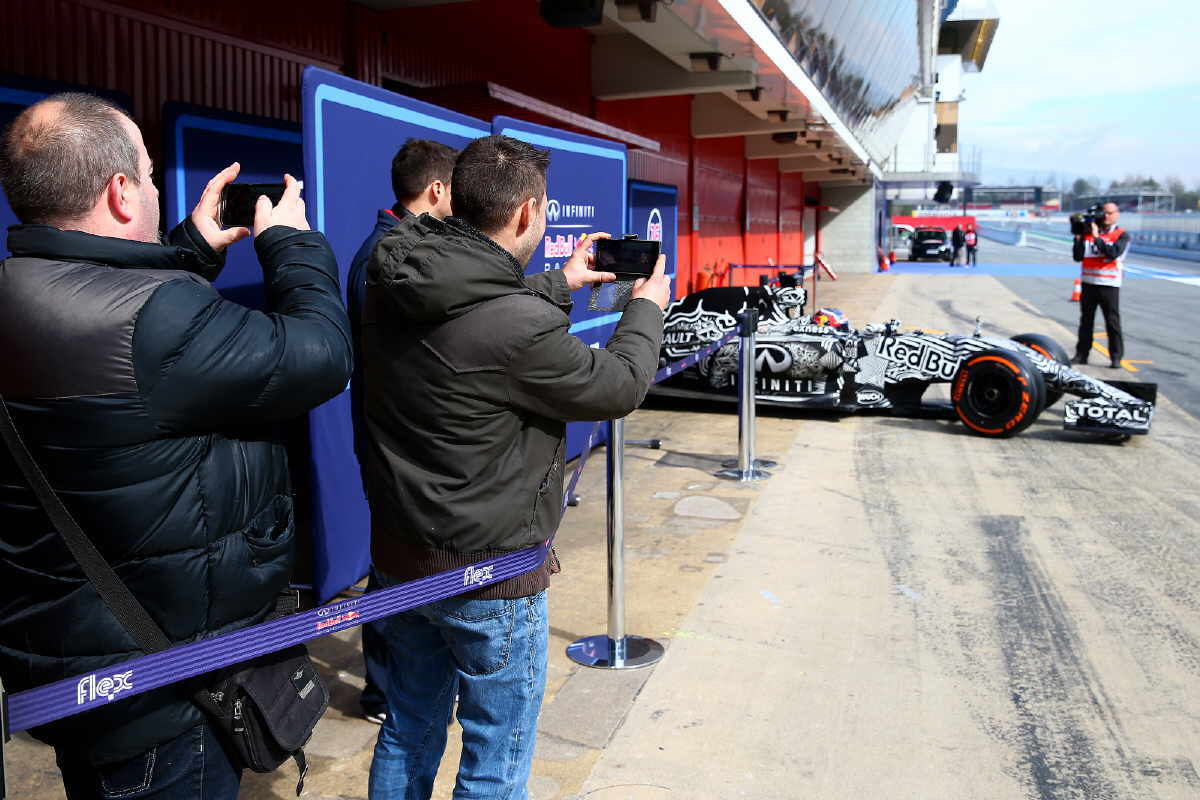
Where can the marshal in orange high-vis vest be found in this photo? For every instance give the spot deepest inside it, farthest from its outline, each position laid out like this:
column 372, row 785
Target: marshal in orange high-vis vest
column 1097, row 269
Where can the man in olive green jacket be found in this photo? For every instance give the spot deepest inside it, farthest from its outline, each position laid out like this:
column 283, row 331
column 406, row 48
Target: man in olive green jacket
column 471, row 375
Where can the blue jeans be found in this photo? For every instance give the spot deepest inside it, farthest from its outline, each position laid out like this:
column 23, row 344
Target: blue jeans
column 192, row 766
column 492, row 654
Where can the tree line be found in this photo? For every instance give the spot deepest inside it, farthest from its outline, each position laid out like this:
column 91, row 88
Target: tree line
column 1185, row 198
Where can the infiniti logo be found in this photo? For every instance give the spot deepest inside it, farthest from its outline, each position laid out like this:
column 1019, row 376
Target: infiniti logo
column 772, row 358
column 556, row 211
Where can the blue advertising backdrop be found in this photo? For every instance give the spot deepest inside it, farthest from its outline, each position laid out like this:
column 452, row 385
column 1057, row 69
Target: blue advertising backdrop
column 351, row 132
column 17, row 94
column 586, row 194
column 200, row 142
column 653, row 214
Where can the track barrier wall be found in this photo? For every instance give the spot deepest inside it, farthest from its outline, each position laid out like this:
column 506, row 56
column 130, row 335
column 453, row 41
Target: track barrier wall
column 1003, row 235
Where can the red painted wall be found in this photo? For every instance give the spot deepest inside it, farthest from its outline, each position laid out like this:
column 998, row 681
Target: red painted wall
column 761, row 238
column 791, row 219
column 946, row 223
column 667, row 120
column 718, row 169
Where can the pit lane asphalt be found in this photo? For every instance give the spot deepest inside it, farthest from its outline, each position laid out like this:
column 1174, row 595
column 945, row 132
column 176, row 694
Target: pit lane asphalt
column 1159, row 301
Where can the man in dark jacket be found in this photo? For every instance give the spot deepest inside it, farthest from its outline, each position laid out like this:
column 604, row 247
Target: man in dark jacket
column 421, row 172
column 956, row 245
column 147, row 399
column 471, row 373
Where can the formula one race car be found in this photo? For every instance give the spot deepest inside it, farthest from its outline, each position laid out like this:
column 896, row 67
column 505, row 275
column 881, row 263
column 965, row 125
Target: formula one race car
column 998, row 387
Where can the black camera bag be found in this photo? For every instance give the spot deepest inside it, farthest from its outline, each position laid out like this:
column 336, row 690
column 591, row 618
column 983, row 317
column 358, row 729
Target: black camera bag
column 265, row 708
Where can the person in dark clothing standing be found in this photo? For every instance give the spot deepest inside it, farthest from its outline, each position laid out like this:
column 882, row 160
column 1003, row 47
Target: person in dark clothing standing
column 1101, row 254
column 148, row 400
column 421, row 173
column 471, row 375
column 956, row 245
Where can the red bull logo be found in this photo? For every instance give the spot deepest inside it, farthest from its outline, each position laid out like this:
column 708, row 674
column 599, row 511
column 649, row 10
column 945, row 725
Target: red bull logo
column 561, row 246
column 330, row 622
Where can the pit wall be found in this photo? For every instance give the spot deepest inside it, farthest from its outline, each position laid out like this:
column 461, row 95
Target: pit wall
column 848, row 228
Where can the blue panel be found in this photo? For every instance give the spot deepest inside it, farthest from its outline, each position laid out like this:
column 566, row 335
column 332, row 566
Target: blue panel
column 654, row 214
column 351, row 132
column 17, row 94
column 586, row 190
column 199, row 143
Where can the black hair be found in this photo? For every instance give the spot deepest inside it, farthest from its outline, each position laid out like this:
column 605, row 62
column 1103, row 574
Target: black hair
column 419, row 163
column 493, row 177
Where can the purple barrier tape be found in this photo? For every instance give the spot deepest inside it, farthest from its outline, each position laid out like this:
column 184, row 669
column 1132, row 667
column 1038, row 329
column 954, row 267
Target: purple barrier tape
column 694, row 358
column 583, row 457
column 80, row 693
column 74, row 695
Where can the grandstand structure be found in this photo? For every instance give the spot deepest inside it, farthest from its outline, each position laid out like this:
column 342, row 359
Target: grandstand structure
column 1139, row 201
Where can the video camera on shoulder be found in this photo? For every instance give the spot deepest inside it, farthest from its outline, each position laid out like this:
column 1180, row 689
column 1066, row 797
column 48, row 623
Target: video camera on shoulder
column 629, row 257
column 1081, row 224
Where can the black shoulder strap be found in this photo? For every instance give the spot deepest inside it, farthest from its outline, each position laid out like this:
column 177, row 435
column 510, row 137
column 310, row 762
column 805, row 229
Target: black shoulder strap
column 116, row 595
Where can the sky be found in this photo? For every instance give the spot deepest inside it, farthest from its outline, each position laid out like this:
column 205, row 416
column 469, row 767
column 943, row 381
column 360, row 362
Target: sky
column 1100, row 88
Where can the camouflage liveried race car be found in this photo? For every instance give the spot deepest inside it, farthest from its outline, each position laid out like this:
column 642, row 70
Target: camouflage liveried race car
column 998, row 387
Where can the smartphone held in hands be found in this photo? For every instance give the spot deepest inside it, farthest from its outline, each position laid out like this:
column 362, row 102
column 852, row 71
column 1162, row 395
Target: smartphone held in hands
column 629, row 258
column 238, row 201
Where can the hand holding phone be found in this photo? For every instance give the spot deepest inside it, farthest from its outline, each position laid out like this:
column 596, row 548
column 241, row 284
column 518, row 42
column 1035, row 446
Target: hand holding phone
column 239, row 199
column 627, row 258
column 207, row 214
column 288, row 210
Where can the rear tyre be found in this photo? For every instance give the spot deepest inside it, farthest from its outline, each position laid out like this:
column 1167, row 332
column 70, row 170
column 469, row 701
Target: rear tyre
column 1050, row 349
column 997, row 393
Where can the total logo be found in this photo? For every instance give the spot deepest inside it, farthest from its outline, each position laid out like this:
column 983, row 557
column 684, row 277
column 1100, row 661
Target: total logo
column 654, row 226
column 556, row 210
column 477, row 575
column 1118, row 415
column 90, row 688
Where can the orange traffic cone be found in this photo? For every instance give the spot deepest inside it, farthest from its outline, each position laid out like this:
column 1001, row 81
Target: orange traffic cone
column 1075, row 291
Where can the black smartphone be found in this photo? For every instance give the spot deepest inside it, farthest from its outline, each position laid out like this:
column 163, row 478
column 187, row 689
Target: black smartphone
column 238, row 200
column 628, row 258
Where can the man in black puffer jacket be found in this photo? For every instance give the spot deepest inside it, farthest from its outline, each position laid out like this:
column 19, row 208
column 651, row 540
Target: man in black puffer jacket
column 471, row 375
column 148, row 400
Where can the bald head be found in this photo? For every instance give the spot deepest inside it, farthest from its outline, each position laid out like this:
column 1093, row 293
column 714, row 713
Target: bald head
column 58, row 157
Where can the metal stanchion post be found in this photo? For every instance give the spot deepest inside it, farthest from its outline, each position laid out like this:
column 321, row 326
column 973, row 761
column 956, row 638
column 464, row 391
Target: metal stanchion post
column 747, row 467
column 616, row 649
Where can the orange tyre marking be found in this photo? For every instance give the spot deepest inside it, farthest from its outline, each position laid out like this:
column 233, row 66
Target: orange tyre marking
column 1025, row 398
column 998, row 360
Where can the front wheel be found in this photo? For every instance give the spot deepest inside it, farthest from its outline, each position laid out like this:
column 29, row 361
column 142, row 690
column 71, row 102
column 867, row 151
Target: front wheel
column 1050, row 349
column 997, row 393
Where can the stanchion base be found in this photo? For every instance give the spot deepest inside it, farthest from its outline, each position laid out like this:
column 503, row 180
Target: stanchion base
column 759, row 463
column 745, row 477
column 593, row 651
